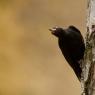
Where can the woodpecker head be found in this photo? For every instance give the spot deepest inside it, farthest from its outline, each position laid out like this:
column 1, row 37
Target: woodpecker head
column 57, row 31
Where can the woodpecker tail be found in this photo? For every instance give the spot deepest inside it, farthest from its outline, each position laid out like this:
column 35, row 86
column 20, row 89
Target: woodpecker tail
column 77, row 69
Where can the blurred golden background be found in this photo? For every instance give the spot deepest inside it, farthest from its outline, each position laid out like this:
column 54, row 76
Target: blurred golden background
column 31, row 62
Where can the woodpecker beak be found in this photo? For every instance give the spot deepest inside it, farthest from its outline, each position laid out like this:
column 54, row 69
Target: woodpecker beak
column 53, row 30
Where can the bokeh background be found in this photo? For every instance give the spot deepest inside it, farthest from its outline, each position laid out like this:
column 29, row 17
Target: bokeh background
column 30, row 61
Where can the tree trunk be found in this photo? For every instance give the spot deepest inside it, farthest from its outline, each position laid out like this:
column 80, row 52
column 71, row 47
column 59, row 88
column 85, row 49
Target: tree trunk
column 88, row 66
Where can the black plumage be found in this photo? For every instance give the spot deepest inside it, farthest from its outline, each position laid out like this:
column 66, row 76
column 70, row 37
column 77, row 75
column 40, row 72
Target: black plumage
column 72, row 46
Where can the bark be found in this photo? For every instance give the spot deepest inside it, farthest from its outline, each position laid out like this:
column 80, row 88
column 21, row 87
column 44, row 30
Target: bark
column 88, row 64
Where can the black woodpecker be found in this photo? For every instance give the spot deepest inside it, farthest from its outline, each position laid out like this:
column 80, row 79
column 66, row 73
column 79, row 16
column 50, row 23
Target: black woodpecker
column 72, row 46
